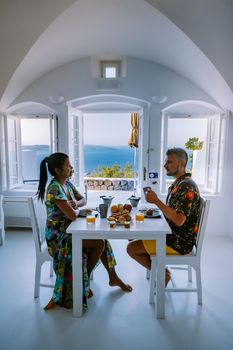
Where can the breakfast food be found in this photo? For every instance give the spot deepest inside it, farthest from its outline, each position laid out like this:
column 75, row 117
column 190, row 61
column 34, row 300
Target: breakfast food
column 85, row 212
column 127, row 224
column 149, row 212
column 114, row 208
column 88, row 211
column 112, row 224
column 119, row 217
column 128, row 207
column 127, row 217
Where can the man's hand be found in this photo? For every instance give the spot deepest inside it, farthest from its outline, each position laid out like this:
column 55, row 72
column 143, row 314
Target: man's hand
column 151, row 196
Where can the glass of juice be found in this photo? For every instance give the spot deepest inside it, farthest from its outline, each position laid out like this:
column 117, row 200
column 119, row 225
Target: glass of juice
column 90, row 219
column 139, row 217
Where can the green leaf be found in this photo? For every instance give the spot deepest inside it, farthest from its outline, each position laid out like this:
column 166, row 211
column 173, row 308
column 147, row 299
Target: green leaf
column 194, row 143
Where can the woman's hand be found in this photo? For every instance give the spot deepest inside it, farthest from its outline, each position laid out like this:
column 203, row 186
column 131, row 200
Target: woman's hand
column 73, row 203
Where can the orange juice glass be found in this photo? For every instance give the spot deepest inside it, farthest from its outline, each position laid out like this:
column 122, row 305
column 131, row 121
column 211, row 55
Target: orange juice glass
column 139, row 217
column 90, row 219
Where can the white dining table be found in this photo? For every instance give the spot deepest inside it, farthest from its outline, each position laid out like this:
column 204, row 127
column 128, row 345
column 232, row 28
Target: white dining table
column 151, row 229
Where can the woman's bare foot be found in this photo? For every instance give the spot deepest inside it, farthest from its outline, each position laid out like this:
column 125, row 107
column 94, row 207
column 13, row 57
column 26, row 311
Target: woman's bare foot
column 116, row 281
column 51, row 304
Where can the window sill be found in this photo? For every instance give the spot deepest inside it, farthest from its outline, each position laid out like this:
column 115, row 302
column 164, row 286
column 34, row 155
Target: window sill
column 24, row 190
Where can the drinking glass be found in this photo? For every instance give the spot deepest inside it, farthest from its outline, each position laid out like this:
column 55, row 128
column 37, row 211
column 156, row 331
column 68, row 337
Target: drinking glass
column 139, row 217
column 90, row 219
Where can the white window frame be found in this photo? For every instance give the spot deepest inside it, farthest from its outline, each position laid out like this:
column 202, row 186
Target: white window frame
column 219, row 142
column 110, row 64
column 75, row 144
column 75, row 130
column 2, row 155
column 17, row 119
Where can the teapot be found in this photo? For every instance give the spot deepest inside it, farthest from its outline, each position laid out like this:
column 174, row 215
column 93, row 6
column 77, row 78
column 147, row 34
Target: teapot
column 107, row 199
column 134, row 200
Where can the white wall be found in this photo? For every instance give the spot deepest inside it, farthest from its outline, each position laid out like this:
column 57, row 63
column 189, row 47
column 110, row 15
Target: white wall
column 143, row 80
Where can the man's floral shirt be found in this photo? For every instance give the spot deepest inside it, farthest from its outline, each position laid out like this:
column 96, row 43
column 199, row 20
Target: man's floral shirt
column 183, row 196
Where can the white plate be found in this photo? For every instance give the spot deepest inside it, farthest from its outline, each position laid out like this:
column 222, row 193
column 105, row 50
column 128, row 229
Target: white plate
column 82, row 213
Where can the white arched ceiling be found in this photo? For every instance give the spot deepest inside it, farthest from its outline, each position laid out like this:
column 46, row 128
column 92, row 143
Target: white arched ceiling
column 209, row 24
column 109, row 28
column 21, row 23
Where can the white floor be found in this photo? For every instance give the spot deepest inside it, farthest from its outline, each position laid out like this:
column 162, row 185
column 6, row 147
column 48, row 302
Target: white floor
column 115, row 320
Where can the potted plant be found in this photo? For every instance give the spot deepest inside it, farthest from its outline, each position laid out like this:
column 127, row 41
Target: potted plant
column 195, row 145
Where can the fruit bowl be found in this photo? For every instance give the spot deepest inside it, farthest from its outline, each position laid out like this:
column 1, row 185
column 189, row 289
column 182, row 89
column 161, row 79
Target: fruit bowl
column 120, row 213
column 119, row 208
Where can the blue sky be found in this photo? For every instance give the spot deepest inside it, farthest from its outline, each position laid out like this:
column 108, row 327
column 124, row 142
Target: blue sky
column 35, row 132
column 109, row 129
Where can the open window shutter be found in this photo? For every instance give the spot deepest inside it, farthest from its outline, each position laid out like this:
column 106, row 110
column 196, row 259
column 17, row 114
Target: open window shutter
column 143, row 161
column 53, row 133
column 213, row 153
column 223, row 122
column 76, row 146
column 13, row 157
column 3, row 185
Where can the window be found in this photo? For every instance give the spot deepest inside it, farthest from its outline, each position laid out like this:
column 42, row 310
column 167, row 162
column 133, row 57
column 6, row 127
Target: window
column 86, row 158
column 208, row 168
column 2, row 155
column 109, row 162
column 107, row 104
column 110, row 69
column 27, row 141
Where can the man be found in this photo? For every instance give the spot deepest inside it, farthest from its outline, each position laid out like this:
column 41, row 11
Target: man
column 181, row 212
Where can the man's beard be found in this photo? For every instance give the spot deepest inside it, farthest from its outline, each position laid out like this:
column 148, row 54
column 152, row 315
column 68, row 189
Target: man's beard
column 173, row 173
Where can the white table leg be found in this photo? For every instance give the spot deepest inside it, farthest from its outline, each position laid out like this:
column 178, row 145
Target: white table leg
column 77, row 276
column 160, row 280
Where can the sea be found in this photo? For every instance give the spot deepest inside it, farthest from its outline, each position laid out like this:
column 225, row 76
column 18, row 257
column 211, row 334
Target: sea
column 94, row 156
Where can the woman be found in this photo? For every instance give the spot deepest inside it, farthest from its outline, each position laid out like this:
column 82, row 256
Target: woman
column 62, row 203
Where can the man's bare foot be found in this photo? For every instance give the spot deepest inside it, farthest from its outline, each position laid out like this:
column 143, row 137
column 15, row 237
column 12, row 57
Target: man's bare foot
column 167, row 277
column 118, row 282
column 90, row 294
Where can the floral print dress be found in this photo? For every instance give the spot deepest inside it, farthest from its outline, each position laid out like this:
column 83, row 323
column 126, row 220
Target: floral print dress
column 183, row 196
column 60, row 246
